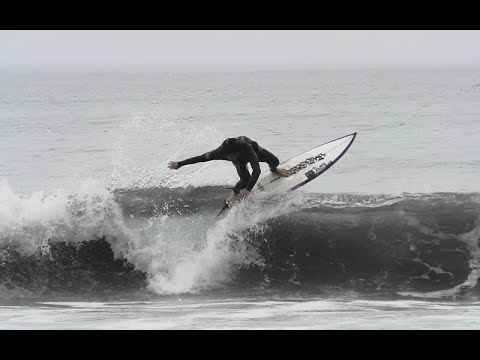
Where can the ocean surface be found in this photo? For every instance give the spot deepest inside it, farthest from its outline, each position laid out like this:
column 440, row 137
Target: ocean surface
column 97, row 233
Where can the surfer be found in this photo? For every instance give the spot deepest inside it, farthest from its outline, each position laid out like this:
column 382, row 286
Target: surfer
column 239, row 151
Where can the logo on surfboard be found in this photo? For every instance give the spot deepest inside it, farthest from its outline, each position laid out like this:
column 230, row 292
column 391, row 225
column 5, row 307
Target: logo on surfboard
column 312, row 174
column 306, row 162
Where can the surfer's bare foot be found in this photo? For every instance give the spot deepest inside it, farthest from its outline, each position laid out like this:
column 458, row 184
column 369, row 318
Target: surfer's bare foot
column 231, row 197
column 173, row 165
column 243, row 194
column 283, row 172
column 234, row 198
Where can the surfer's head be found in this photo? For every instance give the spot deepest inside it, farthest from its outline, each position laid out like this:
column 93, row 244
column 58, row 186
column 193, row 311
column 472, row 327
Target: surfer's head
column 231, row 149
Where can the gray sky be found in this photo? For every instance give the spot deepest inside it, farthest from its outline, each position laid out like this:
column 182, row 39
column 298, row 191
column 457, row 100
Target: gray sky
column 231, row 48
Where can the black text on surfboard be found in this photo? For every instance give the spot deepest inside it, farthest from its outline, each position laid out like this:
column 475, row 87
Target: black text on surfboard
column 306, row 162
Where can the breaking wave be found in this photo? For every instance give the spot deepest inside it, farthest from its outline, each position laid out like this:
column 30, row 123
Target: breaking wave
column 161, row 241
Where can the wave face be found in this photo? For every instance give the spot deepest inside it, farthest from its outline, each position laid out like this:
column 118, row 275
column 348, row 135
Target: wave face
column 170, row 241
column 425, row 244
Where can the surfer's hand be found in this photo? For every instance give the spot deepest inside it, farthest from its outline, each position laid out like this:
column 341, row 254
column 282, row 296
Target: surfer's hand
column 243, row 194
column 173, row 165
column 283, row 172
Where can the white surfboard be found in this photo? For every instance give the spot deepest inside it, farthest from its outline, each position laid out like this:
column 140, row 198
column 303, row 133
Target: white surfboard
column 305, row 167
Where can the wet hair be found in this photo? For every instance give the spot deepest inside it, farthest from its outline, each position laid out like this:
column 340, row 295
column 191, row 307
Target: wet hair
column 230, row 145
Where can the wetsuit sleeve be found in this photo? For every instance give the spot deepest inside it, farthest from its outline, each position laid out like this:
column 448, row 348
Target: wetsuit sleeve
column 216, row 154
column 253, row 159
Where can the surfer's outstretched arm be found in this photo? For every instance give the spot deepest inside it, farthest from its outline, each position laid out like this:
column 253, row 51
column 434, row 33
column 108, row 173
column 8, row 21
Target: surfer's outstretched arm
column 216, row 154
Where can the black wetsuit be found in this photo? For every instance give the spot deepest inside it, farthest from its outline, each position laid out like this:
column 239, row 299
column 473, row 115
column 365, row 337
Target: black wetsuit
column 249, row 151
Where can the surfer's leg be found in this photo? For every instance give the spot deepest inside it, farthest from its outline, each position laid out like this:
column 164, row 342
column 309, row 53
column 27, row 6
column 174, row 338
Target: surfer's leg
column 272, row 161
column 266, row 156
column 244, row 177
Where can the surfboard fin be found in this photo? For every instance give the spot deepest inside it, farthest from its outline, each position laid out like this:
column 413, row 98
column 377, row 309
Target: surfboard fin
column 225, row 207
